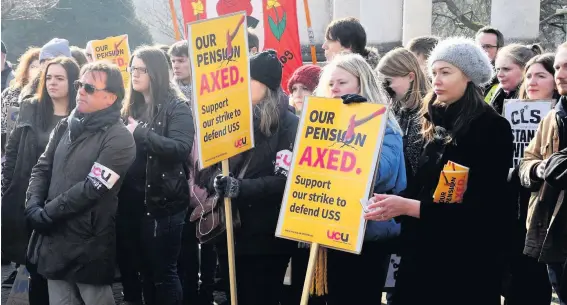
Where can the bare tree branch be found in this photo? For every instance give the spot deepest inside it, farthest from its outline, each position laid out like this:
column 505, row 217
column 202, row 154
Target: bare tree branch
column 157, row 13
column 460, row 16
column 26, row 9
column 545, row 20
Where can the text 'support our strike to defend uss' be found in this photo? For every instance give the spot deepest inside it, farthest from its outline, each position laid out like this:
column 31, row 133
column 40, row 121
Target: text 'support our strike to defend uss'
column 221, row 100
column 334, row 162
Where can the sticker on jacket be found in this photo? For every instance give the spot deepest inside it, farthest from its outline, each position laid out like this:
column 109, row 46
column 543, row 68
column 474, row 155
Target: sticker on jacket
column 283, row 162
column 102, row 175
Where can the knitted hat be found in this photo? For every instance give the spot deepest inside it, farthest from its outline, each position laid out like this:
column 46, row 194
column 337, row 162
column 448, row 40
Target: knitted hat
column 55, row 48
column 307, row 75
column 4, row 50
column 464, row 54
column 266, row 68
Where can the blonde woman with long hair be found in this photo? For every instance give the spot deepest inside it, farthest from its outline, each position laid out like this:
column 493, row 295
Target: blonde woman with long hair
column 358, row 279
column 407, row 85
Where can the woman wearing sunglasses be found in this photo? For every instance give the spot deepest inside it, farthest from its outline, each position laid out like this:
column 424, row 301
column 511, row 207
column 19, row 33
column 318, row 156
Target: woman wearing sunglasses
column 54, row 99
column 154, row 197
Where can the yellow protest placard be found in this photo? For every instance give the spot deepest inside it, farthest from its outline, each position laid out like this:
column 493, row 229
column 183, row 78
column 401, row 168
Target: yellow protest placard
column 117, row 50
column 333, row 165
column 218, row 49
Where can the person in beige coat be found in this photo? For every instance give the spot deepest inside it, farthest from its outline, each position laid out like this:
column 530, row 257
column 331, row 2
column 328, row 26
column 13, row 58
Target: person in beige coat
column 547, row 215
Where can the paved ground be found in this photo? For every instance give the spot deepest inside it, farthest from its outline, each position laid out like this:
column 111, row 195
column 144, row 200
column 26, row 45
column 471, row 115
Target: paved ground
column 117, row 289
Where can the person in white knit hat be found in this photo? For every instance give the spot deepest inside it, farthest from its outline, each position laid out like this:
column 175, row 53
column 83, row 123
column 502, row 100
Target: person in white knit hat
column 452, row 246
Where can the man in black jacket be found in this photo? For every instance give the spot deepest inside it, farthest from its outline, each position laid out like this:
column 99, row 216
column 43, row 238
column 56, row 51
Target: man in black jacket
column 72, row 195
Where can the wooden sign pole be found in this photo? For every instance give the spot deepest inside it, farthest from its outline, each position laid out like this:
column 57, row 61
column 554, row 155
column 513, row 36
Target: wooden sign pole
column 309, row 273
column 230, row 239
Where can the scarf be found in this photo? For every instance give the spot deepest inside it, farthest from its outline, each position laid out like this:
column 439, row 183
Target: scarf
column 81, row 122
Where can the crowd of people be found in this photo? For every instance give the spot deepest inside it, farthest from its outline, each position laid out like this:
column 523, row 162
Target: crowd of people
column 97, row 176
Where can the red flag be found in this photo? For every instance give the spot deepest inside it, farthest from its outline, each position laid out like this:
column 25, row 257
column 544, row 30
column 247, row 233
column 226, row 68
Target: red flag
column 281, row 34
column 193, row 10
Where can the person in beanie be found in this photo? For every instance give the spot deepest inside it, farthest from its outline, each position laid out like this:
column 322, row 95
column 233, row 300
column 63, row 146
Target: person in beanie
column 302, row 83
column 54, row 48
column 72, row 194
column 7, row 72
column 458, row 126
column 261, row 257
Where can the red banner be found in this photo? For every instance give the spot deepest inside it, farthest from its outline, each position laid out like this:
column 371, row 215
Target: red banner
column 281, row 34
column 193, row 10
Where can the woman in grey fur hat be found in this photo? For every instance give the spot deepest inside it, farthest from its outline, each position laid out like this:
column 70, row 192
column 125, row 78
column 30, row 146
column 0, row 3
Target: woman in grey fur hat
column 452, row 246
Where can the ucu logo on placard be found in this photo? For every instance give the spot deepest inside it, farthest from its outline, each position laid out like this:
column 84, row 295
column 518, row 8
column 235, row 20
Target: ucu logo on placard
column 338, row 236
column 240, row 142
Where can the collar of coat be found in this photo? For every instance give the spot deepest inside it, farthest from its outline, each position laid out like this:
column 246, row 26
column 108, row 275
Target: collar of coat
column 81, row 122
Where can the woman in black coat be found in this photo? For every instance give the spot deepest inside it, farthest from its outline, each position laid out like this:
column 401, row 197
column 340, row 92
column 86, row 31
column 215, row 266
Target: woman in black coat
column 37, row 118
column 155, row 194
column 261, row 258
column 451, row 251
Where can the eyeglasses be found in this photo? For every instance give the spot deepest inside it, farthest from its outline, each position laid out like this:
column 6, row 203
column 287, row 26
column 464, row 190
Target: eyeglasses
column 131, row 70
column 89, row 89
column 488, row 46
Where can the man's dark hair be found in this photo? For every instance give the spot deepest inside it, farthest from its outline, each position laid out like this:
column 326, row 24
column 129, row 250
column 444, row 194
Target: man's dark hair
column 253, row 40
column 79, row 56
column 179, row 49
column 349, row 33
column 114, row 81
column 165, row 48
column 422, row 45
column 495, row 31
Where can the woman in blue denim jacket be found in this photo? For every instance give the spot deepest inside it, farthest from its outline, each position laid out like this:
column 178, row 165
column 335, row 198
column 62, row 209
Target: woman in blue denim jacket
column 349, row 77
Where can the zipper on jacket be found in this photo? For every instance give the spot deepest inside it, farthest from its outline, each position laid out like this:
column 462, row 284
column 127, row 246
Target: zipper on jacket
column 155, row 227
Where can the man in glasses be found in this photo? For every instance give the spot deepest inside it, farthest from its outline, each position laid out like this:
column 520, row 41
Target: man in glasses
column 491, row 41
column 72, row 195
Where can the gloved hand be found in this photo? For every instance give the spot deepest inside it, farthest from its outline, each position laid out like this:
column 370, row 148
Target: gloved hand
column 37, row 217
column 227, row 186
column 353, row 98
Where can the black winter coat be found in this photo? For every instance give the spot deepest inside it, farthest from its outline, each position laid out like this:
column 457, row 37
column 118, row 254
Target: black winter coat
column 76, row 182
column 167, row 140
column 451, row 253
column 262, row 188
column 497, row 101
column 22, row 153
